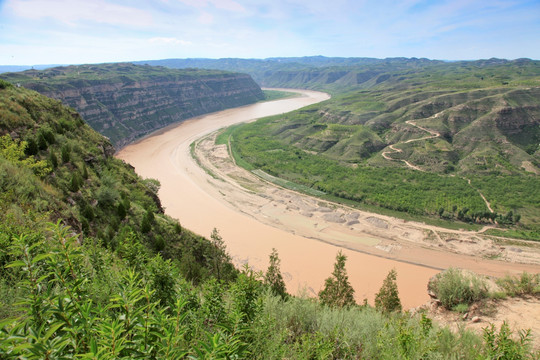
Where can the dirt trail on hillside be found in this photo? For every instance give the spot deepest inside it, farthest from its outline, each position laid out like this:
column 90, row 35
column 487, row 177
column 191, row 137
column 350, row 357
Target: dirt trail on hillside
column 433, row 134
column 254, row 216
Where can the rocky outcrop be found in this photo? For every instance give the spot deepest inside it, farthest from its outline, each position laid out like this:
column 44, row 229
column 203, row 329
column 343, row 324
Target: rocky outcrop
column 126, row 101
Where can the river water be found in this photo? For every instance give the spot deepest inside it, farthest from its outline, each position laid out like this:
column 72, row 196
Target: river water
column 305, row 262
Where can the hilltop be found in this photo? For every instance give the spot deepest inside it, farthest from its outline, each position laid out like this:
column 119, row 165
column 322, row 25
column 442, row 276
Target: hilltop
column 124, row 101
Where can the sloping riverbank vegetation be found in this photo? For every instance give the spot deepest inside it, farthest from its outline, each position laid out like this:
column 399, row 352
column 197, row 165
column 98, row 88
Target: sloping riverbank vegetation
column 91, row 268
column 445, row 141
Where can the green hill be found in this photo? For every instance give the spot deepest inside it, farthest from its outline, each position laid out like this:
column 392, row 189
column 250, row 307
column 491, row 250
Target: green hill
column 91, row 268
column 55, row 167
column 428, row 139
column 125, row 101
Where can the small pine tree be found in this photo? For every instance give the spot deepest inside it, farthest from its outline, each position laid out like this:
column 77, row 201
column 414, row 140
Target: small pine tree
column 150, row 216
column 76, row 182
column 42, row 143
column 178, row 228
column 273, row 277
column 337, row 291
column 65, row 154
column 387, row 299
column 85, row 172
column 146, row 226
column 49, row 136
column 31, row 147
column 121, row 211
column 88, row 212
column 53, row 159
column 219, row 253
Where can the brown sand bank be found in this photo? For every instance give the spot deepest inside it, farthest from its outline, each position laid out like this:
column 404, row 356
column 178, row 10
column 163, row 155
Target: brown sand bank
column 254, row 216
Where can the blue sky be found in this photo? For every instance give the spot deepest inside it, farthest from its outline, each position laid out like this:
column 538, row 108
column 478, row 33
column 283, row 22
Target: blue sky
column 76, row 31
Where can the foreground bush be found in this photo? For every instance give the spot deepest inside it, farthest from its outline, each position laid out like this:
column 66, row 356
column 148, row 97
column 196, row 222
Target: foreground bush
column 524, row 284
column 80, row 301
column 453, row 287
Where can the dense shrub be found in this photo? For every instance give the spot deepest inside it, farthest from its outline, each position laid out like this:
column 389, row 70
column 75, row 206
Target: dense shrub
column 524, row 284
column 453, row 287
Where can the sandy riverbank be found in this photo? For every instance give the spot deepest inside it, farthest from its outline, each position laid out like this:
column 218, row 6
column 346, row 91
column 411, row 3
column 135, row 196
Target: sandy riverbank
column 306, row 232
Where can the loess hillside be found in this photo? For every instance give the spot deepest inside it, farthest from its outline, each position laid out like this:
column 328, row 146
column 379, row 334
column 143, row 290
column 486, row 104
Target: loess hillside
column 91, row 268
column 427, row 138
column 126, row 101
column 54, row 167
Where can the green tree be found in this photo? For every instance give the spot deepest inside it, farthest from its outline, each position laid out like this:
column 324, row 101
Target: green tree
column 337, row 291
column 31, row 147
column 42, row 143
column 273, row 277
column 146, row 226
column 219, row 254
column 53, row 159
column 84, row 172
column 76, row 181
column 387, row 299
column 88, row 212
column 66, row 153
column 121, row 211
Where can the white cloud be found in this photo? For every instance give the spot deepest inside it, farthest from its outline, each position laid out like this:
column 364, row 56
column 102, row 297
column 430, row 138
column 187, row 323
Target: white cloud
column 72, row 11
column 229, row 5
column 206, row 18
column 169, row 41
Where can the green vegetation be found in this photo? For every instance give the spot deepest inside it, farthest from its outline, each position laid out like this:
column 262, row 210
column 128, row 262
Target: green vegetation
column 339, row 74
column 387, row 299
column 270, row 95
column 124, row 101
column 397, row 189
column 91, row 268
column 116, row 72
column 524, row 284
column 337, row 291
column 91, row 191
column 453, row 287
column 470, row 132
column 273, row 278
column 75, row 306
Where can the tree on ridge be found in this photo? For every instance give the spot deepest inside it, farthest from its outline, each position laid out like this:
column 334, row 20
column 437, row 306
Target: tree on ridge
column 273, row 277
column 337, row 291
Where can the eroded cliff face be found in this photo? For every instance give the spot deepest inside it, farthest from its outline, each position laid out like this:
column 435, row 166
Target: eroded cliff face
column 125, row 101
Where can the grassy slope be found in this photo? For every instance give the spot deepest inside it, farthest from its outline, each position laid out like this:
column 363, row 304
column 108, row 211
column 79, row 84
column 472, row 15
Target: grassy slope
column 487, row 113
column 104, row 289
column 83, row 185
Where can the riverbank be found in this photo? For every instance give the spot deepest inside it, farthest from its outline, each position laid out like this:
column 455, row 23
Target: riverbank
column 252, row 223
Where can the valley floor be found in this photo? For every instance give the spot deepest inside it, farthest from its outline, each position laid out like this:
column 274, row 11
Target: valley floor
column 380, row 235
column 254, row 216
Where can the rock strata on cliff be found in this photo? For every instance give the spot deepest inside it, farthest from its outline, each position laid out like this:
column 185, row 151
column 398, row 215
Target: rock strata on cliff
column 126, row 101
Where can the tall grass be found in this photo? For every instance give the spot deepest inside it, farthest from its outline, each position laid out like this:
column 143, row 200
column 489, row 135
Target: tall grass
column 453, row 287
column 524, row 284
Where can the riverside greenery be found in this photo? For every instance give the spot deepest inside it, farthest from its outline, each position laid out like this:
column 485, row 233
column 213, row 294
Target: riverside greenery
column 470, row 127
column 90, row 268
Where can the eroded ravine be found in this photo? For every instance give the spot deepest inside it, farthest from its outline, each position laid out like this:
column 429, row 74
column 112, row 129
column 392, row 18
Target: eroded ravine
column 202, row 202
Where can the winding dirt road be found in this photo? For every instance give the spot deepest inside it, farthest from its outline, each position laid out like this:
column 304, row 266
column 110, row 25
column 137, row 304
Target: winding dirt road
column 433, row 134
column 252, row 222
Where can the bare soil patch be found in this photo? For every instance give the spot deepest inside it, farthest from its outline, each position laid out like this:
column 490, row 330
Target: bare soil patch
column 519, row 313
